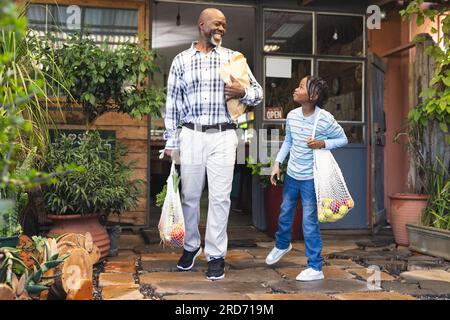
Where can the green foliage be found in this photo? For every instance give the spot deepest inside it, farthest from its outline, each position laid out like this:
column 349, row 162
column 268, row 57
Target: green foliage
column 30, row 261
column 160, row 197
column 104, row 187
column 437, row 212
column 103, row 79
column 257, row 168
column 435, row 102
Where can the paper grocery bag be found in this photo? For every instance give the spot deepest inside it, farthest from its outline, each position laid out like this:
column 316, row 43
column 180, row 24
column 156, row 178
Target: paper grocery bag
column 238, row 68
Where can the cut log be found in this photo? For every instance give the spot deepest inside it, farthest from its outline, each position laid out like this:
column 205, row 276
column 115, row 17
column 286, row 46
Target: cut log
column 88, row 242
column 76, row 238
column 75, row 268
column 95, row 254
column 84, row 292
column 66, row 247
column 6, row 293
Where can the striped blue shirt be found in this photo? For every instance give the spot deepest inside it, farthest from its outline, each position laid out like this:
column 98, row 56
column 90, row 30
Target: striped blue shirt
column 298, row 130
column 195, row 91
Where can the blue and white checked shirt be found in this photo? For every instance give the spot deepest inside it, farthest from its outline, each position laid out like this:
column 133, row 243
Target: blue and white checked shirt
column 298, row 130
column 195, row 91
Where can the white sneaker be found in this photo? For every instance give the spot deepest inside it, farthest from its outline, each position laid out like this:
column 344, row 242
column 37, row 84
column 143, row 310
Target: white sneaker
column 276, row 254
column 310, row 275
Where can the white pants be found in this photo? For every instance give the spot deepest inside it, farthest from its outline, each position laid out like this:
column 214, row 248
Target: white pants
column 215, row 155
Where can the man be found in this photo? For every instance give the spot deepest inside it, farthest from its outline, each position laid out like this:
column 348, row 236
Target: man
column 196, row 101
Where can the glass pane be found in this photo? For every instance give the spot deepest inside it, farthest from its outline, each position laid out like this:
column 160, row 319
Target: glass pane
column 287, row 32
column 345, row 89
column 271, row 135
column 354, row 133
column 113, row 26
column 278, row 91
column 340, row 35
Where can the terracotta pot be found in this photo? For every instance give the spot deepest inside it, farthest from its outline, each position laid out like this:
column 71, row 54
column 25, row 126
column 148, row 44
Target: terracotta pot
column 81, row 224
column 406, row 208
column 273, row 198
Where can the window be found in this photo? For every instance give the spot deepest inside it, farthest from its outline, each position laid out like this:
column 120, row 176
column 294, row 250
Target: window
column 286, row 32
column 340, row 35
column 280, row 84
column 345, row 83
column 110, row 25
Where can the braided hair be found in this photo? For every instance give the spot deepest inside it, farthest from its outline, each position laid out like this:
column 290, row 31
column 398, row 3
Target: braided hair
column 316, row 86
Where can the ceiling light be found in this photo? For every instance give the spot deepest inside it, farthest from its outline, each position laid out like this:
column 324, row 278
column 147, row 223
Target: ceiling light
column 271, row 47
column 287, row 30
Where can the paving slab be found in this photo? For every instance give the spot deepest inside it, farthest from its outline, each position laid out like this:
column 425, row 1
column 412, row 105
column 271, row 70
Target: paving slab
column 208, row 287
column 437, row 287
column 320, row 286
column 343, row 263
column 120, row 266
column 221, row 297
column 267, row 244
column 235, row 255
column 171, row 265
column 437, row 275
column 259, row 263
column 372, row 296
column 304, row 296
column 121, row 293
column 156, row 248
column 114, row 279
column 404, row 288
column 330, row 272
column 172, row 256
column 182, row 277
column 366, row 273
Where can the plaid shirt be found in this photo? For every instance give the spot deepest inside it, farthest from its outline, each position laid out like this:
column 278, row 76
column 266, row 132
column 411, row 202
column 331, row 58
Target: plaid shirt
column 195, row 91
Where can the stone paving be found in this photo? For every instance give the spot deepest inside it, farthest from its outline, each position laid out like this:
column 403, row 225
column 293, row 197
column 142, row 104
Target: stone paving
column 351, row 268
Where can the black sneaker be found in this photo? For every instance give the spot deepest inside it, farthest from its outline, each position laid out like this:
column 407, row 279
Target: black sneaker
column 216, row 269
column 187, row 260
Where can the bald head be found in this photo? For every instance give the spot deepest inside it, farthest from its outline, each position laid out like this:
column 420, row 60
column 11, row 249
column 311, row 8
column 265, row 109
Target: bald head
column 209, row 14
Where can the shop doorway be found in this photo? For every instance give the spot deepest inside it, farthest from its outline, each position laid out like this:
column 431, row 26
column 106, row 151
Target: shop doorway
column 174, row 28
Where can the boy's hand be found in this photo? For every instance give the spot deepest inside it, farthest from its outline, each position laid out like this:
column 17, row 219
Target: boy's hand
column 275, row 172
column 316, row 144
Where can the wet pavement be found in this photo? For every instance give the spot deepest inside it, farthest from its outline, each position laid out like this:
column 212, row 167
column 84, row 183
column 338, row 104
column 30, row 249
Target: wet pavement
column 355, row 269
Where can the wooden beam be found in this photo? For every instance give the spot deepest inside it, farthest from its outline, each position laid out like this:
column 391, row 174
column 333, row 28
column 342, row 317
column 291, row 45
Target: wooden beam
column 382, row 3
column 399, row 49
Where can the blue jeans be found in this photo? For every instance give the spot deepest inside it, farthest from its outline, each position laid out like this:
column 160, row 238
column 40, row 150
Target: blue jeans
column 311, row 231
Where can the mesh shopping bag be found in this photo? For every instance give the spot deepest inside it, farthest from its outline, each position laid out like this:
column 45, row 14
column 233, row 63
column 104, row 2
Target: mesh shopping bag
column 171, row 223
column 333, row 198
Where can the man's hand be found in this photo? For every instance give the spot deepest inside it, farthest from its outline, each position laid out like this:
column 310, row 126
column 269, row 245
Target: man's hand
column 316, row 144
column 275, row 172
column 235, row 90
column 168, row 152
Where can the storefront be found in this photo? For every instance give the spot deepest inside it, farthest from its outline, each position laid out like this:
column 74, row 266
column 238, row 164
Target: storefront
column 283, row 41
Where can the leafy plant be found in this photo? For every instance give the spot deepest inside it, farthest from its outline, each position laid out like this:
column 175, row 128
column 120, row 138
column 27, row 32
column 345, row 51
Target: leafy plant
column 105, row 186
column 31, row 261
column 428, row 135
column 103, row 79
column 160, row 197
column 257, row 168
column 437, row 212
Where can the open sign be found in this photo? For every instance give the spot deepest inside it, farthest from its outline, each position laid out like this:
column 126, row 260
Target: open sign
column 274, row 113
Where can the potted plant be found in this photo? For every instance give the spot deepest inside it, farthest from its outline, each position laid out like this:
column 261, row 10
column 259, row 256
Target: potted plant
column 76, row 202
column 22, row 120
column 427, row 134
column 273, row 197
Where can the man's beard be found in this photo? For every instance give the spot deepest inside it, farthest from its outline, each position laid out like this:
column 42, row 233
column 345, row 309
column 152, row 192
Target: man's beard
column 214, row 41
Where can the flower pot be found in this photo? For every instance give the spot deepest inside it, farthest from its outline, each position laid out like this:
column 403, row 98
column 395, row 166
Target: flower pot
column 81, row 224
column 273, row 198
column 9, row 241
column 430, row 241
column 406, row 208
